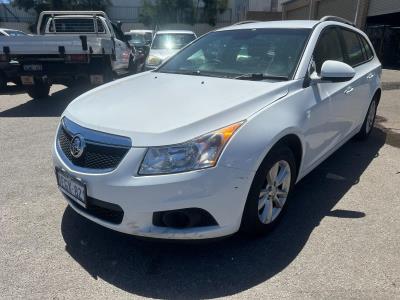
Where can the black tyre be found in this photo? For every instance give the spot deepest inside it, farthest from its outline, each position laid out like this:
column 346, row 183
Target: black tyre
column 269, row 192
column 3, row 82
column 132, row 68
column 369, row 121
column 39, row 90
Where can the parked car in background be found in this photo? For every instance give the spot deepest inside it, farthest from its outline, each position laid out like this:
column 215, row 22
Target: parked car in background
column 11, row 32
column 165, row 44
column 70, row 47
column 9, row 68
column 147, row 34
column 237, row 118
column 138, row 39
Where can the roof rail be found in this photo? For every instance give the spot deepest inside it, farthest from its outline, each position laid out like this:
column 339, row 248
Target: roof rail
column 337, row 19
column 245, row 22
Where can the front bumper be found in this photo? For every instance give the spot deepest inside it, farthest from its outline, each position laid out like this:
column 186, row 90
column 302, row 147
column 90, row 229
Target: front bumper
column 221, row 191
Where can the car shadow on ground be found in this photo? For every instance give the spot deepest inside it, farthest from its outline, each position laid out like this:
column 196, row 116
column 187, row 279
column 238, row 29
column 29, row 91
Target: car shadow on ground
column 51, row 106
column 215, row 269
column 12, row 90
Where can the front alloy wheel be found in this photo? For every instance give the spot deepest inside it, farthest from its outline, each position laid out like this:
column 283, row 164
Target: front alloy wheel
column 273, row 195
column 269, row 192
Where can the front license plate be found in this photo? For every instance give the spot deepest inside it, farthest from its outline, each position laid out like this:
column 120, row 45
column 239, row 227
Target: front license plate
column 33, row 68
column 72, row 187
column 27, row 80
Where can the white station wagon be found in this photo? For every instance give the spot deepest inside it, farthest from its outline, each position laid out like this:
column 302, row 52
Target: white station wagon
column 214, row 140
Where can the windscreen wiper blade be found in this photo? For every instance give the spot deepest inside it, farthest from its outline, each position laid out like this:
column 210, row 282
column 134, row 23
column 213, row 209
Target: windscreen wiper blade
column 260, row 76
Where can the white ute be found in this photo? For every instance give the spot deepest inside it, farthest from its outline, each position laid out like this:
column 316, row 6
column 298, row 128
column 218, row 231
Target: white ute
column 215, row 139
column 69, row 46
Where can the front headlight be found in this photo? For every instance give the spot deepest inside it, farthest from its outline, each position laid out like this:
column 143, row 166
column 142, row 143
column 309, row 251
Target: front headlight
column 199, row 153
column 154, row 60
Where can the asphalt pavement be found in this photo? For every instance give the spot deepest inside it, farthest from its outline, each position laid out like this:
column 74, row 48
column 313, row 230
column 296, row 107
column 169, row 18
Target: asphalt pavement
column 340, row 237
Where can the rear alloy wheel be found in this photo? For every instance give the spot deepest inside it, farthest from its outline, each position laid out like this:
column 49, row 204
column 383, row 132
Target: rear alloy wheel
column 269, row 192
column 369, row 121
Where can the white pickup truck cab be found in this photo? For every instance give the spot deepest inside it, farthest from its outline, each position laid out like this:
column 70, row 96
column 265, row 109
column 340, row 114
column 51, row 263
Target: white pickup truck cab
column 216, row 138
column 69, row 47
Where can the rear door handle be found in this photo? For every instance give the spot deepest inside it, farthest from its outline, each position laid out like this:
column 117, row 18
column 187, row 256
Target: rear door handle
column 370, row 76
column 349, row 90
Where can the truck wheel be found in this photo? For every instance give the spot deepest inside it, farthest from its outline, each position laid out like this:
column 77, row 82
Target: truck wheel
column 3, row 82
column 132, row 68
column 39, row 90
column 108, row 74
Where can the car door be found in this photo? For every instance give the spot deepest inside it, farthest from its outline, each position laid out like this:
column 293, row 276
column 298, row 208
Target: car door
column 122, row 49
column 356, row 56
column 326, row 124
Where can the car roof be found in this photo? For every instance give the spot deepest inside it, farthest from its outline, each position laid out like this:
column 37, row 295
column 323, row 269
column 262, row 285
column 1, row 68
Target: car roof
column 175, row 31
column 289, row 24
column 141, row 31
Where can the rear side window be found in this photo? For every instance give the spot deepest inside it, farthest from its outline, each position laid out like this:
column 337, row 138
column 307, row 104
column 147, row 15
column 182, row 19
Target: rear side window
column 354, row 52
column 328, row 48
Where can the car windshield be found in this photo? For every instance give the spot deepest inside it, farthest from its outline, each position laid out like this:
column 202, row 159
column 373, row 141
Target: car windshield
column 254, row 54
column 136, row 38
column 14, row 32
column 172, row 40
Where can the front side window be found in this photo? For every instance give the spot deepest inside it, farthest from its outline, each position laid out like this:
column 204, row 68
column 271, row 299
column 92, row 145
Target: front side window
column 328, row 48
column 367, row 48
column 172, row 40
column 354, row 53
column 234, row 53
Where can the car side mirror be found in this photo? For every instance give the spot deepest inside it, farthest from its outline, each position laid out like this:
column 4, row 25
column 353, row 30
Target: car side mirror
column 334, row 71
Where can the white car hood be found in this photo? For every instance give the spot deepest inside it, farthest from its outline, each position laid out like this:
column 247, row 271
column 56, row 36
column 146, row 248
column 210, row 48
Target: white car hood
column 156, row 109
column 163, row 54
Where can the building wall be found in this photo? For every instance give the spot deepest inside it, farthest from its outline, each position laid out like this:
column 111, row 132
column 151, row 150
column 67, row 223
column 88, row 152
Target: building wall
column 343, row 8
column 260, row 5
column 299, row 13
column 380, row 7
column 316, row 9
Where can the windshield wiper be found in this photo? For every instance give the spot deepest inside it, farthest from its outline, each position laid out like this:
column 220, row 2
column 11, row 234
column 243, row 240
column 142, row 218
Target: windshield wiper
column 260, row 76
column 194, row 72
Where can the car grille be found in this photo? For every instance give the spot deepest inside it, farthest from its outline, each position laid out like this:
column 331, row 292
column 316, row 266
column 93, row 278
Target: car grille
column 99, row 154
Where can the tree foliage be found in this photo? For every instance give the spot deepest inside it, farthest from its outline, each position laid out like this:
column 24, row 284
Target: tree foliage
column 155, row 12
column 40, row 5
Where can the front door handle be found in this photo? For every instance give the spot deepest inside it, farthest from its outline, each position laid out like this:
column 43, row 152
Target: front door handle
column 349, row 90
column 370, row 76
